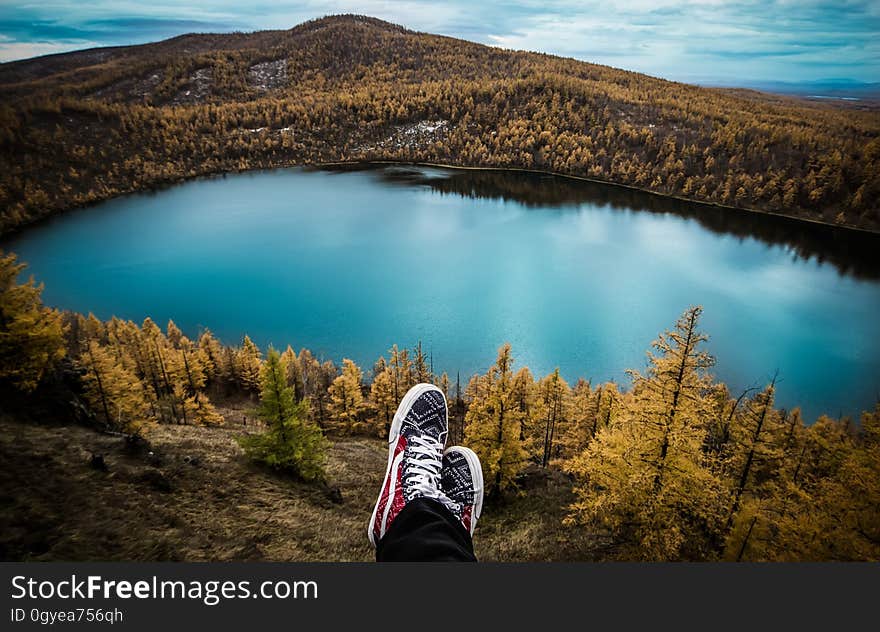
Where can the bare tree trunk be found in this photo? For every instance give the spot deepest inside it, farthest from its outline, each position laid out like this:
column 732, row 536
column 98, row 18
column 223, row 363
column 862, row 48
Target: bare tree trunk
column 742, row 548
column 100, row 385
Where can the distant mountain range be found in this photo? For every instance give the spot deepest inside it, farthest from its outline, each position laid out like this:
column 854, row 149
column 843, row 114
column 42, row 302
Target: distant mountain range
column 829, row 88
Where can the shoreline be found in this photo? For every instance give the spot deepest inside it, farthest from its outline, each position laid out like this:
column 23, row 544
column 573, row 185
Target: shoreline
column 4, row 236
column 556, row 174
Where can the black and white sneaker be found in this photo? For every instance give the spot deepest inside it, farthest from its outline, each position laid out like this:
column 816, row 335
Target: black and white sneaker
column 415, row 452
column 461, row 480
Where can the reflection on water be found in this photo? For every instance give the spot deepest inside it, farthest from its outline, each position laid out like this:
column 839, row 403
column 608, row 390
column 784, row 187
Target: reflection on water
column 855, row 253
column 574, row 275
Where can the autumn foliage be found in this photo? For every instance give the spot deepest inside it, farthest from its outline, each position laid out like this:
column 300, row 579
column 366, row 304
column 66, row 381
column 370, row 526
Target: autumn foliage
column 87, row 126
column 671, row 467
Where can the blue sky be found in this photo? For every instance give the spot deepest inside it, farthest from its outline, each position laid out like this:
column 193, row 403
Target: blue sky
column 709, row 41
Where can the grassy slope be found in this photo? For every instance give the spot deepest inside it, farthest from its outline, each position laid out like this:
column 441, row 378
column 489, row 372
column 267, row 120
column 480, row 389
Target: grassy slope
column 196, row 498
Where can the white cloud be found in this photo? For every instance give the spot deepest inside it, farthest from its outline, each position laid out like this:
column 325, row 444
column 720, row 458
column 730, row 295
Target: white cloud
column 10, row 51
column 678, row 39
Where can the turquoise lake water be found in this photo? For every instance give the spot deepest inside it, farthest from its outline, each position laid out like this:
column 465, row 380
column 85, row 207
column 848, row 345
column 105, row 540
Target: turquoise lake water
column 573, row 275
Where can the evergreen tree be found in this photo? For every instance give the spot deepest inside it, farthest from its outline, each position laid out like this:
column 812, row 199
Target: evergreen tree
column 292, row 443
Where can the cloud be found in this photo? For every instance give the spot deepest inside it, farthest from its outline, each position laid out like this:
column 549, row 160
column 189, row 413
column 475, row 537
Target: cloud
column 23, row 50
column 792, row 40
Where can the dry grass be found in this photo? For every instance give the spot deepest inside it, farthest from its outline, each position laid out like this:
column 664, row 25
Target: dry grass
column 193, row 496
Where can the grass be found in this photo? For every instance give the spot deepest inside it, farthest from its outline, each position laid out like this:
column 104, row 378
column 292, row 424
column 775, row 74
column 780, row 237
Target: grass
column 192, row 496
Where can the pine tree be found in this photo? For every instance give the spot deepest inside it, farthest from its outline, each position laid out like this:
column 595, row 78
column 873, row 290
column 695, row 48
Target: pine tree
column 294, row 373
column 548, row 415
column 823, row 505
column 292, row 443
column 211, row 355
column 422, row 374
column 317, row 378
column 174, row 335
column 114, row 392
column 443, row 384
column 645, row 478
column 195, row 403
column 754, row 434
column 457, row 409
column 850, row 523
column 31, row 336
column 247, row 366
column 401, row 371
column 157, row 352
column 494, row 424
column 580, row 427
column 346, row 406
column 382, row 397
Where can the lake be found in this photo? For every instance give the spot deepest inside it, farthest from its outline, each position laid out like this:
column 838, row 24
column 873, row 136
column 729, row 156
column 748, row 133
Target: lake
column 573, row 274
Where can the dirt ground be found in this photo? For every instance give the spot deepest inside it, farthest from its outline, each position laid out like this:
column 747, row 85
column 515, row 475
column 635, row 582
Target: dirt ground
column 192, row 496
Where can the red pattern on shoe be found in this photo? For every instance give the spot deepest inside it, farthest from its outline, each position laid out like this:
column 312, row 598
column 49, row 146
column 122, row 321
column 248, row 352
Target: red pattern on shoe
column 415, row 451
column 398, row 501
column 466, row 515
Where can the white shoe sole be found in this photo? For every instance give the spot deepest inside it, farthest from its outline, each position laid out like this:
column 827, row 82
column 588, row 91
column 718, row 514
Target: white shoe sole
column 394, row 434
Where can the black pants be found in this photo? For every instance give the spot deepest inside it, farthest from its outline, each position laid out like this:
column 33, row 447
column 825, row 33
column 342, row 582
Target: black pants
column 426, row 531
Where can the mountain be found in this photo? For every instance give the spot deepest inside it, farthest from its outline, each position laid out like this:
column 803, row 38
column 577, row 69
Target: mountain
column 84, row 126
column 849, row 89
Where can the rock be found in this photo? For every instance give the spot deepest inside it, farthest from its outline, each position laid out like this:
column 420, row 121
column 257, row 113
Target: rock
column 96, row 462
column 157, row 480
column 335, row 495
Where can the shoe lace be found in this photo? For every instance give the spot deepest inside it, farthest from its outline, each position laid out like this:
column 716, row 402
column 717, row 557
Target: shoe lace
column 422, row 475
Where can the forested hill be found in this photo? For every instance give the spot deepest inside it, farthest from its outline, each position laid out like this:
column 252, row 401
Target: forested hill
column 84, row 126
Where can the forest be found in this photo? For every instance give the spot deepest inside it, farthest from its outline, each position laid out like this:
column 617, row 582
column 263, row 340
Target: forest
column 671, row 466
column 86, row 126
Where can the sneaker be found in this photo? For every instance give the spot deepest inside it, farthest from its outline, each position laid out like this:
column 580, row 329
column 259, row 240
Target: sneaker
column 461, row 480
column 415, row 452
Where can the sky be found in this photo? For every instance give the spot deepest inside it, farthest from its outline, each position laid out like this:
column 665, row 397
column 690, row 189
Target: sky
column 700, row 41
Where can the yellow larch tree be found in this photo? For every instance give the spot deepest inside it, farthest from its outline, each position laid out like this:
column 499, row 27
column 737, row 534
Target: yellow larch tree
column 644, row 479
column 494, row 424
column 347, row 405
column 31, row 335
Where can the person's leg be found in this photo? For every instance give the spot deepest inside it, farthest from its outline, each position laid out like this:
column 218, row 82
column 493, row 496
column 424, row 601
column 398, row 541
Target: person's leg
column 415, row 454
column 426, row 531
column 429, row 501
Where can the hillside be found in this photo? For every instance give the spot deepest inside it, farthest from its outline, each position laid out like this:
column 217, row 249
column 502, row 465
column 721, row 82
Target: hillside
column 89, row 125
column 192, row 496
